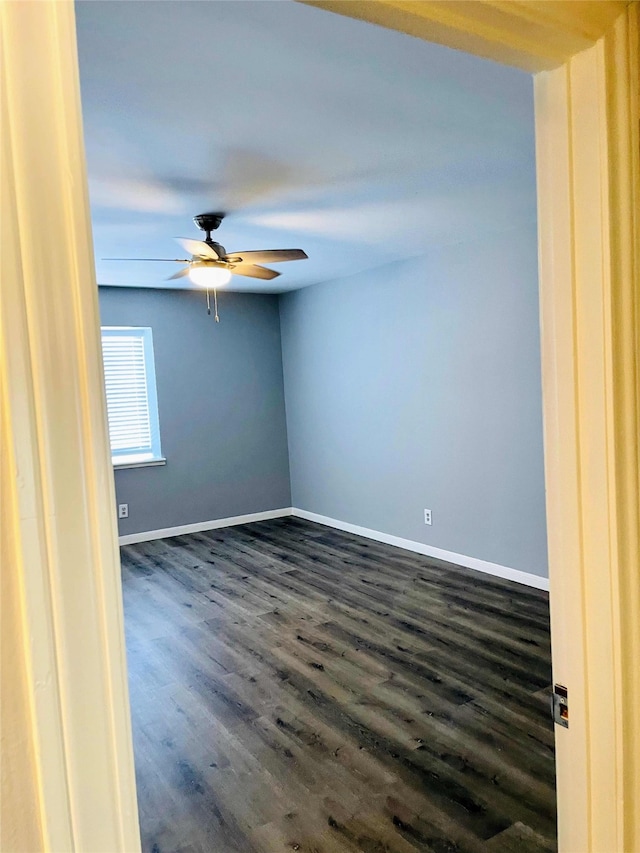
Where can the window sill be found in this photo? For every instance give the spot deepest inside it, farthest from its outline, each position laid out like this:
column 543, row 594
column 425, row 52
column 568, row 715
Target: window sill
column 146, row 463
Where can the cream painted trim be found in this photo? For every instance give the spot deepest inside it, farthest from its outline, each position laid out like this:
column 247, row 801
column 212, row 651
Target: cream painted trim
column 20, row 812
column 526, row 578
column 587, row 152
column 527, row 34
column 63, row 528
column 198, row 527
column 622, row 57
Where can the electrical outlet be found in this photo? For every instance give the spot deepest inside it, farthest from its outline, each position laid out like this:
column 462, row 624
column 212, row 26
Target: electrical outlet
column 427, row 516
column 123, row 510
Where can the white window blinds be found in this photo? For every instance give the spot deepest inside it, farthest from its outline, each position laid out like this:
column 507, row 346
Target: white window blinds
column 131, row 394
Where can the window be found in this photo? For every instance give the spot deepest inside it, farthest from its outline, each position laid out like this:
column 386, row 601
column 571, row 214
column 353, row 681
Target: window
column 132, row 405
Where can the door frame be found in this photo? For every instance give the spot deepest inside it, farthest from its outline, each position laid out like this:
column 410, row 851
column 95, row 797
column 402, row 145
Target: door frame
column 59, row 528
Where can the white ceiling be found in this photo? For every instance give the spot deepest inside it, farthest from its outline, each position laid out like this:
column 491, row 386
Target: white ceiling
column 359, row 145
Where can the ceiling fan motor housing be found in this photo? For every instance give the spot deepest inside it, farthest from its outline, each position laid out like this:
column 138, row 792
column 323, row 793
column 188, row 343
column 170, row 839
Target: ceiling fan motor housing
column 208, row 221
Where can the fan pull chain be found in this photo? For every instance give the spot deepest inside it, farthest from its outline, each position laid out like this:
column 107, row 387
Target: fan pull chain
column 215, row 305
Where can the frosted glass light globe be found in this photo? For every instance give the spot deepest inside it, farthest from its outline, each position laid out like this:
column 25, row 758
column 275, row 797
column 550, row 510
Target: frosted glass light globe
column 210, row 276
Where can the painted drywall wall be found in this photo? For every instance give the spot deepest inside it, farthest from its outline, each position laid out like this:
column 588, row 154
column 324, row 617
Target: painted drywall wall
column 418, row 386
column 220, row 404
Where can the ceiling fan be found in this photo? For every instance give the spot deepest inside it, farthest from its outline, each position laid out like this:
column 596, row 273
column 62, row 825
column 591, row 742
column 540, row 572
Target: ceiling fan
column 210, row 265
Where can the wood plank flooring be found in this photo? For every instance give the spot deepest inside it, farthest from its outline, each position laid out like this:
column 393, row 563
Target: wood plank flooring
column 294, row 687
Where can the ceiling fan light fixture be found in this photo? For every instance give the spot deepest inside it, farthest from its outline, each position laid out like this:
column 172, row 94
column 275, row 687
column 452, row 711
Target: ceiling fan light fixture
column 209, row 276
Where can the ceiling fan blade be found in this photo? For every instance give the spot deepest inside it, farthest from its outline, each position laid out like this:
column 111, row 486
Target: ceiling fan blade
column 198, row 248
column 180, row 274
column 169, row 260
column 269, row 256
column 254, row 271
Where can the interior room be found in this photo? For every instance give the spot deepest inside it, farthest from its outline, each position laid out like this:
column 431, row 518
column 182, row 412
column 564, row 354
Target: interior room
column 333, row 516
column 337, row 671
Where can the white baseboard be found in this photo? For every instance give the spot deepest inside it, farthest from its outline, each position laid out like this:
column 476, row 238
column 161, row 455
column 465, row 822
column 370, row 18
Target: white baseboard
column 149, row 535
column 408, row 544
column 428, row 550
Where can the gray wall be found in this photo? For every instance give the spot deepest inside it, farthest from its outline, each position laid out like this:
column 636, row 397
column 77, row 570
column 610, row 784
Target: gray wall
column 418, row 386
column 221, row 407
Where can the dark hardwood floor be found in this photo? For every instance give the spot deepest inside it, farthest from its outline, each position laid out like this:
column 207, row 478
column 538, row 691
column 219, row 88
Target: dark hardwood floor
column 298, row 688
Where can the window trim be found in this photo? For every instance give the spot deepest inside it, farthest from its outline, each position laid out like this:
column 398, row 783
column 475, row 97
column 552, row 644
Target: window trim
column 145, row 463
column 140, row 457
